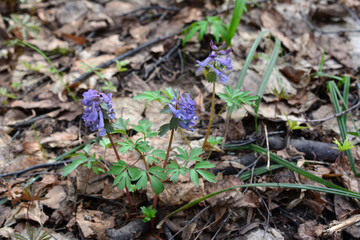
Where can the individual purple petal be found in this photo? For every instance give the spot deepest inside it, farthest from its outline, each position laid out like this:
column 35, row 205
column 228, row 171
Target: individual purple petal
column 226, row 62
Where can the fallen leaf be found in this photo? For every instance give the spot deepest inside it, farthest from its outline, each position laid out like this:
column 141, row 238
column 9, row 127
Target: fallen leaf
column 54, row 197
column 94, row 223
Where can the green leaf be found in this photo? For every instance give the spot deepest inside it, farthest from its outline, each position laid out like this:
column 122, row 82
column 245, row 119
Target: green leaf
column 105, row 142
column 148, row 212
column 126, row 145
column 183, row 154
column 117, row 168
column 156, row 184
column 158, row 172
column 194, row 177
column 143, row 127
column 174, row 123
column 121, row 126
column 207, row 175
column 142, row 179
column 214, row 141
column 133, row 171
column 154, row 155
column 194, row 154
column 240, row 5
column 72, row 166
column 143, row 146
column 151, row 96
column 204, row 164
column 164, row 129
column 170, row 94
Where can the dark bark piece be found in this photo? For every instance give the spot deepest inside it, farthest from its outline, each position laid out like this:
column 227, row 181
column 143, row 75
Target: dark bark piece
column 322, row 151
column 132, row 230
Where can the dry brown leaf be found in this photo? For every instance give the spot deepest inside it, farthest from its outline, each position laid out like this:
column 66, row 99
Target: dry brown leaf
column 272, row 20
column 54, row 197
column 179, row 193
column 25, row 211
column 234, row 197
column 94, row 223
column 31, row 147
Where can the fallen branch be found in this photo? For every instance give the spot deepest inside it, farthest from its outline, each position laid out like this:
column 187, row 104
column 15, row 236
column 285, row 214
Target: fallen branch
column 125, row 55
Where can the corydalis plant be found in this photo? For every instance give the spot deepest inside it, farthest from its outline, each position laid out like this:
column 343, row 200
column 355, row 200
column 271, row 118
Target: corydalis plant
column 184, row 110
column 214, row 64
column 99, row 115
column 213, row 68
column 98, row 110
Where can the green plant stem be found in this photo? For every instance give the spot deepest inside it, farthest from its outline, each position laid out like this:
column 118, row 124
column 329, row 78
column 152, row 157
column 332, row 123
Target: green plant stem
column 212, row 109
column 164, row 166
column 209, row 155
column 186, row 140
column 118, row 158
column 140, row 153
column 169, row 148
column 223, row 108
column 52, row 65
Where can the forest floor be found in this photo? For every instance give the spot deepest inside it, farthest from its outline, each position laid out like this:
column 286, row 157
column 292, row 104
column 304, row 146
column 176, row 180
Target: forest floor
column 41, row 124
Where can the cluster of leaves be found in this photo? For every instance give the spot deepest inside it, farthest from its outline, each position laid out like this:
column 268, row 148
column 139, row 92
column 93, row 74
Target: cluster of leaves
column 218, row 27
column 236, row 97
column 293, row 125
column 343, row 147
column 33, row 233
column 25, row 25
column 214, row 23
column 4, row 96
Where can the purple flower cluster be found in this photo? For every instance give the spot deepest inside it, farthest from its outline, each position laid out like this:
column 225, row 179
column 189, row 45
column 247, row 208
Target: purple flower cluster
column 184, row 110
column 214, row 61
column 95, row 111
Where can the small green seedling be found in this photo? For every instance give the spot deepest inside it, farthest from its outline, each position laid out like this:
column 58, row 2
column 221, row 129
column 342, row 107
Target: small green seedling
column 22, row 25
column 293, row 125
column 120, row 66
column 4, row 96
column 35, row 68
column 148, row 212
column 33, row 233
column 89, row 68
column 343, row 147
column 109, row 85
column 280, row 95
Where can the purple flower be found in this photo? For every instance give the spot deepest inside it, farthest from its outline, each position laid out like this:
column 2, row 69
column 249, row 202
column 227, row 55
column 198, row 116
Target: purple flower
column 184, row 110
column 215, row 62
column 95, row 111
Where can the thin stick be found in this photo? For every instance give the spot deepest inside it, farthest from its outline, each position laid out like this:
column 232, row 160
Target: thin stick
column 127, row 54
column 333, row 116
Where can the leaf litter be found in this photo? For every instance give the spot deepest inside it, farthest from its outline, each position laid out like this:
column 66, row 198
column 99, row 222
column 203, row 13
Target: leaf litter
column 80, row 35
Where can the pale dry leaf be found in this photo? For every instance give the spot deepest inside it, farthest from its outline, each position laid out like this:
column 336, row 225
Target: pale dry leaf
column 94, row 223
column 54, row 197
column 25, row 211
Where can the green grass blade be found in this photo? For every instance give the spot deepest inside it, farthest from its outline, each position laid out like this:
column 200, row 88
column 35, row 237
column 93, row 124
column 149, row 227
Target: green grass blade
column 278, row 185
column 52, row 65
column 235, row 20
column 266, row 77
column 258, row 171
column 286, row 164
column 342, row 119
